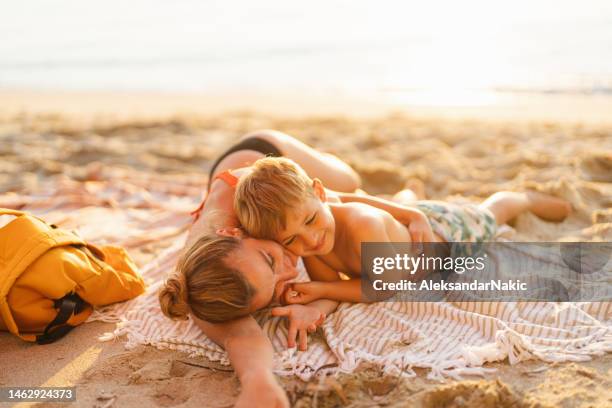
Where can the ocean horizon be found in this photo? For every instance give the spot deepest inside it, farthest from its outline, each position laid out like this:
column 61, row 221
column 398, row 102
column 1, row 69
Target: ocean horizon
column 434, row 52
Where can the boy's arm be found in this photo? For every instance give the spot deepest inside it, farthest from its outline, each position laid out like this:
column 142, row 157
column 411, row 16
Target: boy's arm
column 339, row 291
column 370, row 230
column 398, row 211
column 322, row 291
column 250, row 353
column 336, row 291
column 319, row 272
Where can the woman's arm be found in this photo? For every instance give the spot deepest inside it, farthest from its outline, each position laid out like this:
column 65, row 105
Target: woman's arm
column 398, row 211
column 251, row 354
column 334, row 173
column 414, row 219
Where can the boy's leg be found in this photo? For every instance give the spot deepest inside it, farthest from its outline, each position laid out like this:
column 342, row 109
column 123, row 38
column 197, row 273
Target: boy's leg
column 506, row 205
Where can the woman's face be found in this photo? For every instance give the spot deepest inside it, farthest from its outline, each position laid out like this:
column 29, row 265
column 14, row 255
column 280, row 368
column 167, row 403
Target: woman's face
column 267, row 266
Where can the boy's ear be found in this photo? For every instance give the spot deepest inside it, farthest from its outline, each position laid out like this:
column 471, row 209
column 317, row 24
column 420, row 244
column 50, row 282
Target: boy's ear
column 319, row 190
column 230, row 232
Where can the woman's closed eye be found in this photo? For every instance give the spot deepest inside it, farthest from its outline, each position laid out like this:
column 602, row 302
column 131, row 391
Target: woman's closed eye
column 271, row 260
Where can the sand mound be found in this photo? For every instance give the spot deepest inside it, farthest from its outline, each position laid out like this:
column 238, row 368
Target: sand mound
column 483, row 394
column 574, row 386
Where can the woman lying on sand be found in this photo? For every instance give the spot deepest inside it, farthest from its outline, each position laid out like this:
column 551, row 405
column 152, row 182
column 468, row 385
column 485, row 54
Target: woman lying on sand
column 223, row 276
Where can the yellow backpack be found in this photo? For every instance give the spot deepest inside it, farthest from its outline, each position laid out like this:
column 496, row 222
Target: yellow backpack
column 50, row 278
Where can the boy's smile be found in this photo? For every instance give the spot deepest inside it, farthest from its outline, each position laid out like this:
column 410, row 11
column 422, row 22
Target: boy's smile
column 320, row 242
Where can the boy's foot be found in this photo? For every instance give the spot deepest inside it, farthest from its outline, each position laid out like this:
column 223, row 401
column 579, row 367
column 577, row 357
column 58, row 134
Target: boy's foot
column 414, row 190
column 405, row 197
column 417, row 187
column 548, row 207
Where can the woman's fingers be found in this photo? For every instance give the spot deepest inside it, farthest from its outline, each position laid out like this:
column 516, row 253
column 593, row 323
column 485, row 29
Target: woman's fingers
column 303, row 340
column 430, row 235
column 280, row 311
column 312, row 328
column 321, row 319
column 291, row 335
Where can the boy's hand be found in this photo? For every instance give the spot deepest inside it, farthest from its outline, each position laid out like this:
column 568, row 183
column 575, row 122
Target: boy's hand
column 420, row 229
column 302, row 320
column 303, row 293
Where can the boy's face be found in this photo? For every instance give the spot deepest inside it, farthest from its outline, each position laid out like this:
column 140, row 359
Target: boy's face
column 310, row 226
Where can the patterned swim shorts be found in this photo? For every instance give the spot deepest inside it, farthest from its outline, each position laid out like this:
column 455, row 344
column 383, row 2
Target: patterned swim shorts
column 459, row 222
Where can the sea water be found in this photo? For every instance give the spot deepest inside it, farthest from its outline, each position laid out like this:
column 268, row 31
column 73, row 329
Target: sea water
column 429, row 49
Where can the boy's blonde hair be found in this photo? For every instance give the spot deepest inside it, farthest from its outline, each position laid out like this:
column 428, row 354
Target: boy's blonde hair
column 263, row 197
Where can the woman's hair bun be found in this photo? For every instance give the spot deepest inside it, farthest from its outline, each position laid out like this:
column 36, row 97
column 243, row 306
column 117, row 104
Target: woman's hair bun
column 173, row 299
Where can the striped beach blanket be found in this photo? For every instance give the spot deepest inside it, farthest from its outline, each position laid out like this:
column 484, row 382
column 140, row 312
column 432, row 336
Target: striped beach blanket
column 451, row 339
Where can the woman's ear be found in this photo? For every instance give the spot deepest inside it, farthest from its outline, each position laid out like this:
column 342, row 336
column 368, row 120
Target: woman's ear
column 319, row 191
column 230, row 232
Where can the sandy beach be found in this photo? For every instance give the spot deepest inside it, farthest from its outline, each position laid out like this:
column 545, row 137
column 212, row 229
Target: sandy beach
column 454, row 155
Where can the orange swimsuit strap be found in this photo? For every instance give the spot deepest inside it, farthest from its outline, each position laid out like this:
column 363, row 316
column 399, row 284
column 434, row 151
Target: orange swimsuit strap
column 226, row 176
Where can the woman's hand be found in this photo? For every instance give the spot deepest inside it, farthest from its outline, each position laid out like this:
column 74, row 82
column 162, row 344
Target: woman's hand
column 302, row 320
column 304, row 293
column 261, row 390
column 419, row 227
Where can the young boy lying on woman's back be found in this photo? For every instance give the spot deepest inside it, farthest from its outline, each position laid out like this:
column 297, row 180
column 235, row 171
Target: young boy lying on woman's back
column 278, row 201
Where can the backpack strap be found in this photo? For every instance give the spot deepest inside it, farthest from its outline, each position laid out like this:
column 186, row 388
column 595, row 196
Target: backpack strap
column 8, row 211
column 40, row 239
column 69, row 305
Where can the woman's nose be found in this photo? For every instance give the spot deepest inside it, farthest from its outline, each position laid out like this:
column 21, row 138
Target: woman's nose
column 291, row 257
column 289, row 269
